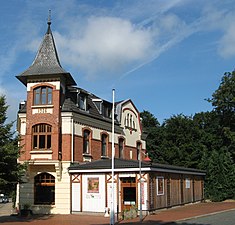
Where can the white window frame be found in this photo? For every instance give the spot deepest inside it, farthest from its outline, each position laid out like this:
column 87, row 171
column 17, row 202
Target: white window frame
column 187, row 183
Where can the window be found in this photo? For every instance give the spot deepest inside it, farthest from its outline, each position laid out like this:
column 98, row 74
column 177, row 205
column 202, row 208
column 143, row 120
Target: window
column 160, row 185
column 43, row 96
column 86, row 141
column 104, row 138
column 121, row 147
column 138, row 150
column 82, row 102
column 187, row 183
column 44, row 189
column 42, row 136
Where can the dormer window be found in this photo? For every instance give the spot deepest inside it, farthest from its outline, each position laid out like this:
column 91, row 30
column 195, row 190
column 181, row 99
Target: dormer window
column 43, row 96
column 107, row 112
column 82, row 102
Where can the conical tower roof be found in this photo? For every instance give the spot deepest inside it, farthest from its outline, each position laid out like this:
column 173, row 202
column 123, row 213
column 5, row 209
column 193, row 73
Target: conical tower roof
column 46, row 62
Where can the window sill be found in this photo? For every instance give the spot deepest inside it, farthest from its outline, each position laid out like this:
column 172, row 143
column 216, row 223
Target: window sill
column 42, row 106
column 42, row 151
column 87, row 155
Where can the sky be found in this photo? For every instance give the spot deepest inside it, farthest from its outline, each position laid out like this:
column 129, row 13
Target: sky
column 167, row 56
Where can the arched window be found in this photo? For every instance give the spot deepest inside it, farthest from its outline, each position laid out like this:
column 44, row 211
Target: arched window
column 42, row 136
column 130, row 121
column 44, row 189
column 126, row 121
column 43, row 96
column 104, row 144
column 86, row 141
column 121, row 147
column 133, row 124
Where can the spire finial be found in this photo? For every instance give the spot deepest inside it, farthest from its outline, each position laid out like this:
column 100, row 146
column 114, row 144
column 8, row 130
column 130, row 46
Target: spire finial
column 49, row 18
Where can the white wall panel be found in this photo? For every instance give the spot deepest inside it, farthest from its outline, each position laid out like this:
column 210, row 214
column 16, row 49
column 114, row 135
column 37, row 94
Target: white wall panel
column 93, row 201
column 76, row 206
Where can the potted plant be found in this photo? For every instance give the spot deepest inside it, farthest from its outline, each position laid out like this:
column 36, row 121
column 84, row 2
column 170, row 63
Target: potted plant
column 26, row 211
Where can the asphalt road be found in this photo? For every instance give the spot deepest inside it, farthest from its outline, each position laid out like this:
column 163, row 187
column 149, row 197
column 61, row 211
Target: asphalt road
column 224, row 218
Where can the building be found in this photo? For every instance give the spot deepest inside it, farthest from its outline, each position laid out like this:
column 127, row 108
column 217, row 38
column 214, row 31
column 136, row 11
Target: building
column 66, row 139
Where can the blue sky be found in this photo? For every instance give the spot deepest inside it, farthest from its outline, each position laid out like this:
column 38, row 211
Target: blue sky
column 165, row 55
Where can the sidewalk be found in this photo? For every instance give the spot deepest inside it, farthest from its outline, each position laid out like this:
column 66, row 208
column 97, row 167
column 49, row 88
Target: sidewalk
column 159, row 218
column 185, row 212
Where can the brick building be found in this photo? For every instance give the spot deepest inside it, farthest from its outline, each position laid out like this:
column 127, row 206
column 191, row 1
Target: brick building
column 66, row 139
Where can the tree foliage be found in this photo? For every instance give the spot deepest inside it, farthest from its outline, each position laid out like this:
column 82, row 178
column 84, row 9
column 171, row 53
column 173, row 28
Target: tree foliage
column 10, row 170
column 204, row 141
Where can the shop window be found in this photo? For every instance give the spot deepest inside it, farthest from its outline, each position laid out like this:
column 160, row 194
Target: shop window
column 42, row 136
column 43, row 96
column 104, row 139
column 44, row 189
column 86, row 142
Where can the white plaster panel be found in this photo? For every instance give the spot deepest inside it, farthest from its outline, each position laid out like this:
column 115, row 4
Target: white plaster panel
column 41, row 156
column 144, row 196
column 78, row 129
column 55, row 83
column 76, row 206
column 109, row 195
column 62, row 193
column 42, row 110
column 96, row 133
column 23, row 126
column 66, row 125
column 93, row 202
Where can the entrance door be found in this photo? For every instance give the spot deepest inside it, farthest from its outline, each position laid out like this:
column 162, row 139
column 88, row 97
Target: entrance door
column 128, row 192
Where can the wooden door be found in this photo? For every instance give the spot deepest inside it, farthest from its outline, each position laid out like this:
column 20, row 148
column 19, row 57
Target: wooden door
column 128, row 192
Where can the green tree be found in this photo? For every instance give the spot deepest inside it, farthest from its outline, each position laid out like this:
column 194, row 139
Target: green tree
column 182, row 141
column 151, row 126
column 220, row 178
column 223, row 101
column 205, row 141
column 10, row 170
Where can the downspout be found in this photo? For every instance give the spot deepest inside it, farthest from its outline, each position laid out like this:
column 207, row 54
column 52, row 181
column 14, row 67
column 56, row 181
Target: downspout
column 72, row 141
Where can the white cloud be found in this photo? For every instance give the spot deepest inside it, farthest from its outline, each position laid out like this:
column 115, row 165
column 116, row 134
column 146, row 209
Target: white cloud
column 108, row 44
column 227, row 43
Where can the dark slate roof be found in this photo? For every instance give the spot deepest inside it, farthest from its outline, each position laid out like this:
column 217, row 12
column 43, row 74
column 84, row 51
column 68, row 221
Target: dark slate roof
column 46, row 62
column 90, row 117
column 106, row 164
column 128, row 164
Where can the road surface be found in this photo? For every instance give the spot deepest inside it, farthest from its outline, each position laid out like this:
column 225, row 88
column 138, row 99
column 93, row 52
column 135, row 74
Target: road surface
column 223, row 218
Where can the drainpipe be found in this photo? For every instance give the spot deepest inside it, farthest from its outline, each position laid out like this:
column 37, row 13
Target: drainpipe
column 72, row 141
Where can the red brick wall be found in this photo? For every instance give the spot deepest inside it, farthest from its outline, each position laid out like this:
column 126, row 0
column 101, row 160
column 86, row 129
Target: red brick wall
column 66, row 147
column 95, row 149
column 51, row 119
